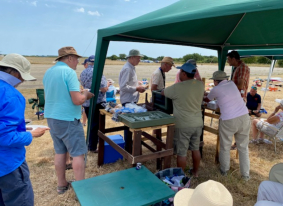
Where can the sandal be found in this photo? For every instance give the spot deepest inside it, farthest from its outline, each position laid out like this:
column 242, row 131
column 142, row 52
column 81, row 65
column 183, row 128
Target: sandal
column 69, row 166
column 63, row 189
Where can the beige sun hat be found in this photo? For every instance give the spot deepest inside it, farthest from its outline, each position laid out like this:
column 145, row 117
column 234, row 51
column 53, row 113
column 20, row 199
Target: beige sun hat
column 219, row 75
column 209, row 193
column 68, row 50
column 134, row 52
column 168, row 60
column 19, row 63
column 276, row 173
column 110, row 81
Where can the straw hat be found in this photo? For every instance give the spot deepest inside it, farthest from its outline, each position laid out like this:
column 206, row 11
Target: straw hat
column 134, row 52
column 168, row 60
column 209, row 193
column 68, row 50
column 219, row 75
column 19, row 63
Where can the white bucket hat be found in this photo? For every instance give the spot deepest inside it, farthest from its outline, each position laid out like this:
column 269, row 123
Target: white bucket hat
column 276, row 173
column 19, row 63
column 209, row 193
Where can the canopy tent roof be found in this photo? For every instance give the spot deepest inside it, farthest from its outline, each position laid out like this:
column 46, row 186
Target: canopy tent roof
column 272, row 54
column 210, row 24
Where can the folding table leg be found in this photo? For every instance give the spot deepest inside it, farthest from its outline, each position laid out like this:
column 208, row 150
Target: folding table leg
column 136, row 144
column 158, row 148
column 169, row 145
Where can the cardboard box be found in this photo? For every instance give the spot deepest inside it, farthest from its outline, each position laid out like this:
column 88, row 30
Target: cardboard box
column 110, row 154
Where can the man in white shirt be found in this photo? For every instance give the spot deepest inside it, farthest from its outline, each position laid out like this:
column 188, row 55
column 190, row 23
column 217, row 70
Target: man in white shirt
column 128, row 81
column 158, row 76
column 234, row 120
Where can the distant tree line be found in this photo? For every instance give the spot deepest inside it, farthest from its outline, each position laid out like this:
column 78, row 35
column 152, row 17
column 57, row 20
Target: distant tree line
column 202, row 59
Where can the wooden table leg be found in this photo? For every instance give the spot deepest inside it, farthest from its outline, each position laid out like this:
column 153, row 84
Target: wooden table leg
column 137, row 143
column 128, row 137
column 169, row 145
column 100, row 158
column 158, row 148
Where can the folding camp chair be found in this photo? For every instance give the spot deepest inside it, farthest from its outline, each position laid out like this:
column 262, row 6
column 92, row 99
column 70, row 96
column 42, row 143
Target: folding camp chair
column 278, row 132
column 39, row 102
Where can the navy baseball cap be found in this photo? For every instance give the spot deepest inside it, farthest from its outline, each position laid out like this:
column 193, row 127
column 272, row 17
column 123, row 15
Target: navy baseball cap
column 91, row 58
column 188, row 67
column 85, row 61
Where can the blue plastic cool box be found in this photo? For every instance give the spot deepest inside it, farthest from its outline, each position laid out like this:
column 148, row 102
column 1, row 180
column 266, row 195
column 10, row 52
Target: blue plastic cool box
column 110, row 154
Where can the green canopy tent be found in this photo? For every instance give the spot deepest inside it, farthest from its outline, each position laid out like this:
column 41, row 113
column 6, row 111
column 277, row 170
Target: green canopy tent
column 219, row 25
column 272, row 54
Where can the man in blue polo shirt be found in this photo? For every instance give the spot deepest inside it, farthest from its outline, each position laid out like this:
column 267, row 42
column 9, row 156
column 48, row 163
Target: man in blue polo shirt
column 63, row 100
column 15, row 185
column 254, row 102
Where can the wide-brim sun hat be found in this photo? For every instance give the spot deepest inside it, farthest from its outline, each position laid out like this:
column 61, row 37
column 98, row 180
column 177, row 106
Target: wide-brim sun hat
column 219, row 75
column 68, row 50
column 276, row 173
column 134, row 52
column 19, row 63
column 188, row 67
column 209, row 193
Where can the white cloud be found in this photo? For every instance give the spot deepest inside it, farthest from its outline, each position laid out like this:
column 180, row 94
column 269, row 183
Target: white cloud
column 94, row 13
column 49, row 6
column 33, row 3
column 82, row 10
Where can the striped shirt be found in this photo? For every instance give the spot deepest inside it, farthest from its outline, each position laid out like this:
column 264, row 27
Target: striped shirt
column 242, row 72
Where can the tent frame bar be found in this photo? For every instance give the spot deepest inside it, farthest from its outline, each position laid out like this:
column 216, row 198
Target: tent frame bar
column 169, row 42
column 234, row 29
column 208, row 46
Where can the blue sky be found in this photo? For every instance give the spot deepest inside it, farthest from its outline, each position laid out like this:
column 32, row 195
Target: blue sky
column 41, row 27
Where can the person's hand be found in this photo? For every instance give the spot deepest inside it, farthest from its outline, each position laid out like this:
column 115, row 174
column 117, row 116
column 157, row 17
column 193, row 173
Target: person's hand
column 256, row 111
column 88, row 94
column 140, row 89
column 277, row 109
column 250, row 111
column 38, row 132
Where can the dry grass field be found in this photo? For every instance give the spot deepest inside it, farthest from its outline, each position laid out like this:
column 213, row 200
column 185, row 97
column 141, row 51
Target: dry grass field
column 40, row 154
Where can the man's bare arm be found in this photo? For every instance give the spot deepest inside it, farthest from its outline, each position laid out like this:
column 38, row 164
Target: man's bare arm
column 79, row 98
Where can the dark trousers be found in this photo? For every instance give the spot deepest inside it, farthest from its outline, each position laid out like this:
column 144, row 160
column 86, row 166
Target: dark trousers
column 16, row 188
column 93, row 137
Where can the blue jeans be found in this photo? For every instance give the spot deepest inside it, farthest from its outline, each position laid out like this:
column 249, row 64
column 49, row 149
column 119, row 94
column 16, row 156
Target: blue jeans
column 16, row 188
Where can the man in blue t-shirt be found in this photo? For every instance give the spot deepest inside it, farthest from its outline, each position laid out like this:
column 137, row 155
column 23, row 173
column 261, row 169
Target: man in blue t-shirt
column 63, row 100
column 254, row 102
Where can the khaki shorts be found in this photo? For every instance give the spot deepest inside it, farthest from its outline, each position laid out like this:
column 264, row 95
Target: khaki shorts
column 186, row 138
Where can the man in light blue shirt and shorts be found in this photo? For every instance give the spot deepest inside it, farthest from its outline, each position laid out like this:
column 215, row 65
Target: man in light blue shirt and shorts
column 63, row 100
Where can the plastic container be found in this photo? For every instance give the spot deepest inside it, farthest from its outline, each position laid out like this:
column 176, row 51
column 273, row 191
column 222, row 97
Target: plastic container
column 110, row 154
column 146, row 119
column 161, row 102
